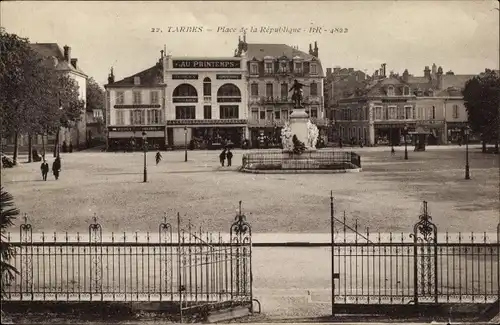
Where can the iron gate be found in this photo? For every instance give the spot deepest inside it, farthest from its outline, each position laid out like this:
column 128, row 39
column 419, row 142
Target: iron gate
column 189, row 267
column 423, row 266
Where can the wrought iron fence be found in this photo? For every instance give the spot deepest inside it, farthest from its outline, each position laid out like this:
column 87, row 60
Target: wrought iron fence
column 423, row 266
column 186, row 266
column 323, row 159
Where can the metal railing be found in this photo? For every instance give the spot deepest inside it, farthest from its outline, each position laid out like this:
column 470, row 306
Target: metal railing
column 423, row 266
column 186, row 266
column 263, row 160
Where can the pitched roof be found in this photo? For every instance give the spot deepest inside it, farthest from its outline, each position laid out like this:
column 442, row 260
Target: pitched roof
column 48, row 50
column 456, row 81
column 148, row 78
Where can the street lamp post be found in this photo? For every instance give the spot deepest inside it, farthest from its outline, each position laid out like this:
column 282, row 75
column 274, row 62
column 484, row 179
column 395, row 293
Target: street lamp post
column 57, row 152
column 406, row 145
column 466, row 132
column 145, row 145
column 185, row 144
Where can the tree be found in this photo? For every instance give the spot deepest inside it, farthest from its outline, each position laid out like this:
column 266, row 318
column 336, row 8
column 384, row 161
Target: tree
column 482, row 99
column 8, row 213
column 95, row 100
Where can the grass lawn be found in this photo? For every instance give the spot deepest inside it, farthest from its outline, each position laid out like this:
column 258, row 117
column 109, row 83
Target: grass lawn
column 385, row 196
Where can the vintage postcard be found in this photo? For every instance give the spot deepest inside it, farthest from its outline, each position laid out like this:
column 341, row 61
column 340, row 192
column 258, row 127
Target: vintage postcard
column 250, row 161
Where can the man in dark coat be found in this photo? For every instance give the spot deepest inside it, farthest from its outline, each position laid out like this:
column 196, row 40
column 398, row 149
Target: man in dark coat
column 229, row 156
column 45, row 170
column 158, row 157
column 222, row 157
column 56, row 167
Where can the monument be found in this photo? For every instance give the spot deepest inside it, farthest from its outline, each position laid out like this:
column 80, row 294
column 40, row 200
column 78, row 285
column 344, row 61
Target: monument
column 299, row 137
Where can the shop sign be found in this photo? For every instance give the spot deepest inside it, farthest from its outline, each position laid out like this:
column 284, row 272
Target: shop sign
column 228, row 99
column 228, row 76
column 206, row 64
column 185, row 100
column 136, row 128
column 185, row 77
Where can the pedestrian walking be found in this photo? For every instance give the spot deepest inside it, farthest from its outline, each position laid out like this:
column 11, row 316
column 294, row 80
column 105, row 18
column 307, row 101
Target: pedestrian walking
column 56, row 167
column 158, row 158
column 222, row 157
column 229, row 156
column 45, row 170
column 393, row 152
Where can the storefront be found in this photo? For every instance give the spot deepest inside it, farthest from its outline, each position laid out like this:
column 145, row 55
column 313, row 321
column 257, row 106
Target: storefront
column 266, row 137
column 131, row 138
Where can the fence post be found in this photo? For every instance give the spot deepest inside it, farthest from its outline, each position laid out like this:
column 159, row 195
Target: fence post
column 26, row 269
column 332, row 234
column 95, row 241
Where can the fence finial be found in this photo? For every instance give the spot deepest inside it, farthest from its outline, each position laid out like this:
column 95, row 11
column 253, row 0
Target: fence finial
column 25, row 218
column 94, row 218
column 240, row 207
column 165, row 217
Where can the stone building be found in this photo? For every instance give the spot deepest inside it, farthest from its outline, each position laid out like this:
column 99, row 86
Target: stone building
column 272, row 69
column 377, row 110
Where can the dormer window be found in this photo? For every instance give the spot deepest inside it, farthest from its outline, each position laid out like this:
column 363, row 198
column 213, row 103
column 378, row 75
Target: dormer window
column 137, row 81
column 283, row 66
column 390, row 91
column 254, row 68
column 314, row 68
column 406, row 90
column 268, row 67
column 431, row 93
column 298, row 67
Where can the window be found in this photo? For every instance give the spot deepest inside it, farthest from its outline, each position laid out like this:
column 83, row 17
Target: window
column 137, row 117
column 154, row 97
column 185, row 112
column 431, row 93
column 269, row 114
column 313, row 113
column 137, row 97
column 314, row 89
column 255, row 113
column 390, row 91
column 378, row 112
column 268, row 67
column 254, row 69
column 207, row 87
column 97, row 113
column 137, row 81
column 392, row 112
column 269, row 90
column 421, row 113
column 120, row 118
column 228, row 90
column 455, row 111
column 284, row 90
column 254, row 89
column 414, row 112
column 277, row 115
column 406, row 90
column 262, row 115
column 314, row 68
column 408, row 112
column 207, row 112
column 228, row 111
column 433, row 112
column 401, row 113
column 154, row 116
column 283, row 66
column 120, row 97
column 185, row 90
column 284, row 114
column 298, row 67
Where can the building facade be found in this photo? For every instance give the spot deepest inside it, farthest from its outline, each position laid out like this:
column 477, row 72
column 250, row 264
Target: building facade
column 200, row 102
column 272, row 69
column 377, row 110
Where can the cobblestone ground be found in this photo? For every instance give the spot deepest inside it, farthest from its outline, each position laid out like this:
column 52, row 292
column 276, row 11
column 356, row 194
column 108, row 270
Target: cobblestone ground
column 386, row 196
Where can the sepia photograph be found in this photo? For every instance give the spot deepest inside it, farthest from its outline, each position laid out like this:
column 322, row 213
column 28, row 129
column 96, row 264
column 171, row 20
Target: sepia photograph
column 255, row 162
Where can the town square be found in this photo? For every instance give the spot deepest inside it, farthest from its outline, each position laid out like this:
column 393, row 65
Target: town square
column 204, row 164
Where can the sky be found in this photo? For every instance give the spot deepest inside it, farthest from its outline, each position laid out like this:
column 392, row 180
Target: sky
column 462, row 36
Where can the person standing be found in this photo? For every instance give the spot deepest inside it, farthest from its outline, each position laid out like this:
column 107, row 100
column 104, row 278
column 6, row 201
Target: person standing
column 56, row 167
column 158, row 158
column 45, row 170
column 229, row 156
column 222, row 157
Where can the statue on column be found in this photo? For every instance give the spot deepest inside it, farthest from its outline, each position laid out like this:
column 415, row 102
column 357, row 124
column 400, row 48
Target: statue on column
column 298, row 93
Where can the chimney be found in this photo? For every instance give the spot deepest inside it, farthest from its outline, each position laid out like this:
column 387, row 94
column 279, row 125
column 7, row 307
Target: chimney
column 383, row 69
column 439, row 77
column 310, row 49
column 316, row 49
column 427, row 72
column 67, row 53
column 351, row 70
column 405, row 75
column 73, row 62
column 336, row 70
column 328, row 71
column 434, row 69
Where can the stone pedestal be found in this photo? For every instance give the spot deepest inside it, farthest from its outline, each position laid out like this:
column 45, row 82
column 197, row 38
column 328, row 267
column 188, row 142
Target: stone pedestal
column 298, row 124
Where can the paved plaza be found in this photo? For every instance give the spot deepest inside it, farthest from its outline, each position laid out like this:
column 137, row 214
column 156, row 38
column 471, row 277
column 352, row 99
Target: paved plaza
column 385, row 196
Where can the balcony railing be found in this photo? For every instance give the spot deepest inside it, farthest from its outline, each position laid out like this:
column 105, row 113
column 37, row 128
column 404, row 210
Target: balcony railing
column 207, row 99
column 319, row 121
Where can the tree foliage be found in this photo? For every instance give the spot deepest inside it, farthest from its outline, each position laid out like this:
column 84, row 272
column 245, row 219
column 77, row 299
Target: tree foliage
column 8, row 213
column 482, row 99
column 95, row 95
